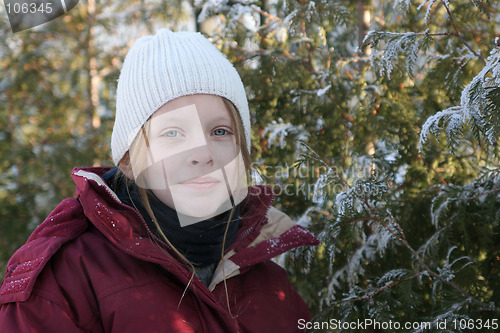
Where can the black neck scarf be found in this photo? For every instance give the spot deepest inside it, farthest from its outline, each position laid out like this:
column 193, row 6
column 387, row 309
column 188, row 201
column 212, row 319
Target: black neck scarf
column 200, row 243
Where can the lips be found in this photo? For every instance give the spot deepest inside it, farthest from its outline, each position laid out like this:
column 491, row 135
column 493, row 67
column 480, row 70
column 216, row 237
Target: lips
column 201, row 183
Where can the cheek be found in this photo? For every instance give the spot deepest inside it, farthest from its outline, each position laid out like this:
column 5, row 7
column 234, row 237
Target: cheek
column 236, row 174
column 224, row 152
column 162, row 150
column 160, row 174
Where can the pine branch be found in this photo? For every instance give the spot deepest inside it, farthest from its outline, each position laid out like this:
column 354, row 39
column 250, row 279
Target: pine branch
column 459, row 35
column 387, row 286
column 440, row 317
column 357, row 220
column 424, row 264
column 258, row 10
column 484, row 193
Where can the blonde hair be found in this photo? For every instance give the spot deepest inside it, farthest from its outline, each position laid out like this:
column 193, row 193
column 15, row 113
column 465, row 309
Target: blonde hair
column 140, row 161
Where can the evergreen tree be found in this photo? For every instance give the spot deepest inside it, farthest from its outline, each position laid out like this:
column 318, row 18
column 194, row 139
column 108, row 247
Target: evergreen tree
column 387, row 140
column 375, row 122
column 57, row 84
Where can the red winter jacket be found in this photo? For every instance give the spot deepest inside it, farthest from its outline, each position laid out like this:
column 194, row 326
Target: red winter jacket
column 91, row 266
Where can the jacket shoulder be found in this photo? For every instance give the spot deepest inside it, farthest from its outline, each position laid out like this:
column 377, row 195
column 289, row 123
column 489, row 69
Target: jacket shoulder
column 278, row 235
column 66, row 222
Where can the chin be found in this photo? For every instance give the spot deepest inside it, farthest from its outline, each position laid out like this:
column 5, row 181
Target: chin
column 202, row 208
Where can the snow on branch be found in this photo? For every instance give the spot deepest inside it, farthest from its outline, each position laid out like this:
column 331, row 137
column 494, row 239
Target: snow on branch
column 447, row 271
column 210, row 7
column 404, row 4
column 429, row 4
column 454, row 119
column 388, row 46
column 479, row 107
column 279, row 130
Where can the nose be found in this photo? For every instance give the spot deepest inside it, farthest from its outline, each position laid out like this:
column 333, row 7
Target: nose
column 202, row 155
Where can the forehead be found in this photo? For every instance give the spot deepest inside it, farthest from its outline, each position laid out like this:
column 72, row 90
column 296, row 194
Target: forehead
column 208, row 107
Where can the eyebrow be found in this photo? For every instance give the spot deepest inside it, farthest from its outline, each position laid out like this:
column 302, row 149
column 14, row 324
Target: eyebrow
column 222, row 119
column 168, row 119
column 175, row 115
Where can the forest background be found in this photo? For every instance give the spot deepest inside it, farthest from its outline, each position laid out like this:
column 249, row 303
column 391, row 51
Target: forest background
column 376, row 122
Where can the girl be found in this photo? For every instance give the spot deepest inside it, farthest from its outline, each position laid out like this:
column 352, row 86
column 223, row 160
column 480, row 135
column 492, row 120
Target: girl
column 171, row 239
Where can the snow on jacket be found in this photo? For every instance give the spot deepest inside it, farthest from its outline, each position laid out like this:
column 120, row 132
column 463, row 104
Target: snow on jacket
column 92, row 266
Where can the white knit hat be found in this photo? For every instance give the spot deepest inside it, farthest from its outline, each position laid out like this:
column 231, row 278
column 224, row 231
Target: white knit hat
column 168, row 65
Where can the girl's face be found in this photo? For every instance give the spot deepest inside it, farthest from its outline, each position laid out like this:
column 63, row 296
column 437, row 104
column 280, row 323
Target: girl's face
column 189, row 158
